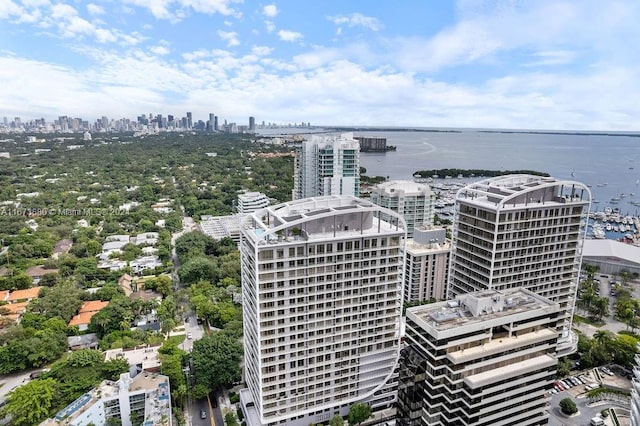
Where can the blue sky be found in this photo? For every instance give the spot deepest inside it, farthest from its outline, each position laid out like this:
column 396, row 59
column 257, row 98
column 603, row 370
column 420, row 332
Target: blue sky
column 539, row 64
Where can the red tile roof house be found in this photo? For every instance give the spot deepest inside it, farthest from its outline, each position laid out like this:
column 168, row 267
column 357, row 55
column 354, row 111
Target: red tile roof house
column 86, row 312
column 16, row 303
column 24, row 295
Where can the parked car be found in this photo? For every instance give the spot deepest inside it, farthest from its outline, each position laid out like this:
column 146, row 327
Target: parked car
column 607, row 371
column 189, row 336
column 203, row 414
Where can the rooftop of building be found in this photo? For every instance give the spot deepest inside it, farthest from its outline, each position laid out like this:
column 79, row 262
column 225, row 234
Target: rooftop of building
column 82, row 318
column 157, row 405
column 522, row 189
column 146, row 356
column 320, row 217
column 611, row 249
column 93, row 306
column 330, row 138
column 251, row 195
column 395, row 188
column 478, row 307
column 39, row 270
column 28, row 293
column 219, row 227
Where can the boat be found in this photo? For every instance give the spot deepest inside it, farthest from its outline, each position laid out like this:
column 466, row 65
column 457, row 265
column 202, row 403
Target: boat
column 598, row 233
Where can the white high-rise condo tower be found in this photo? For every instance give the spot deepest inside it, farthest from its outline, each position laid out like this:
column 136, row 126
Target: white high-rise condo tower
column 327, row 165
column 521, row 231
column 414, row 201
column 321, row 289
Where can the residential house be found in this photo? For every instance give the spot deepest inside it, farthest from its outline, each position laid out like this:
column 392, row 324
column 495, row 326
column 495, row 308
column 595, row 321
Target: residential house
column 26, row 295
column 147, row 239
column 112, row 265
column 62, row 247
column 86, row 312
column 125, row 283
column 84, row 341
column 37, row 272
column 145, row 262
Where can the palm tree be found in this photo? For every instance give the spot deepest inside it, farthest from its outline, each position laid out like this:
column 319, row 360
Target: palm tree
column 603, row 337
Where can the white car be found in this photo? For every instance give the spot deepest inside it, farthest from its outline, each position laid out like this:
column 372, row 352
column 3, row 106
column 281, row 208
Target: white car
column 189, row 336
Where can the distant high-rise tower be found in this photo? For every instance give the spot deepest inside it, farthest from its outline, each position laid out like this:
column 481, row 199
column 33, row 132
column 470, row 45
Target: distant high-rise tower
column 215, row 123
column 321, row 309
column 251, row 201
column 521, row 231
column 426, row 265
column 211, row 122
column 327, row 165
column 487, row 358
column 414, row 201
column 252, row 124
column 189, row 120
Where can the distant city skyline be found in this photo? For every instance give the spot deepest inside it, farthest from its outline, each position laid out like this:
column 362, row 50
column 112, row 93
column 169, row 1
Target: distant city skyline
column 548, row 64
column 64, row 123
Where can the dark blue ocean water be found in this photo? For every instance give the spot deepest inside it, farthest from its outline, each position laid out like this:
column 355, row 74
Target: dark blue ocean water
column 610, row 164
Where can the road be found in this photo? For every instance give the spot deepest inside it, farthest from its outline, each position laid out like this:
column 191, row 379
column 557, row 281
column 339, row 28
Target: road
column 195, row 411
column 191, row 326
column 192, row 329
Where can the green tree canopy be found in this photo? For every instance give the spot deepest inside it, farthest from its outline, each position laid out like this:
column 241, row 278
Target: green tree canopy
column 358, row 413
column 197, row 269
column 216, row 360
column 568, row 407
column 336, row 420
column 30, row 404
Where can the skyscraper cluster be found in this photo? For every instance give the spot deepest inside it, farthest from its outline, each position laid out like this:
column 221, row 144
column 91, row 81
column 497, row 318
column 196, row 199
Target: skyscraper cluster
column 144, row 122
column 323, row 277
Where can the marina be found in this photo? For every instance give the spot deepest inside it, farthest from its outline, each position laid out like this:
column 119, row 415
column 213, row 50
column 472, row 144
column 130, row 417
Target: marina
column 608, row 223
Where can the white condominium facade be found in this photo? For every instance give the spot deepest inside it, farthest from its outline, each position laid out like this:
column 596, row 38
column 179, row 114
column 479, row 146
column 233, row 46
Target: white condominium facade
column 521, row 231
column 144, row 399
column 426, row 265
column 327, row 164
column 635, row 394
column 252, row 201
column 415, row 202
column 487, row 358
column 321, row 284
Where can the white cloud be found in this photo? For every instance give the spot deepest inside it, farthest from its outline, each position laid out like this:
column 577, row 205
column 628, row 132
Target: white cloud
column 286, row 35
column 261, row 50
column 270, row 26
column 175, row 10
column 95, row 9
column 357, row 20
column 230, row 37
column 551, row 57
column 211, row 6
column 160, row 50
column 546, row 64
column 270, row 10
column 158, row 8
